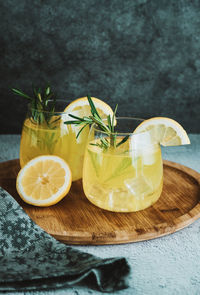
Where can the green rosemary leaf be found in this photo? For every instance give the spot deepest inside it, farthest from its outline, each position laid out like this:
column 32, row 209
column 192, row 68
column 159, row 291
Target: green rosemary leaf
column 88, row 120
column 81, row 130
column 39, row 97
column 75, row 117
column 74, row 122
column 95, row 144
column 41, row 108
column 109, row 122
column 113, row 118
column 47, row 90
column 115, row 111
column 50, row 97
column 123, row 140
column 113, row 139
column 35, row 93
column 18, row 92
column 93, row 108
column 100, row 123
column 104, row 142
column 55, row 121
column 103, row 145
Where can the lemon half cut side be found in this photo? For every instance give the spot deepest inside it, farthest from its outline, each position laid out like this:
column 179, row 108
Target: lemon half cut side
column 165, row 131
column 44, row 181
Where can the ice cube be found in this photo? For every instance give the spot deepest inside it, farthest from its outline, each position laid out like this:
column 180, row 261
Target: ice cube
column 97, row 192
column 148, row 156
column 141, row 145
column 110, row 199
column 139, row 187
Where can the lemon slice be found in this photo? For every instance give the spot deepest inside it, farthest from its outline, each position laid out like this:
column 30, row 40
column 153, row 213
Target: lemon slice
column 44, row 181
column 81, row 106
column 166, row 131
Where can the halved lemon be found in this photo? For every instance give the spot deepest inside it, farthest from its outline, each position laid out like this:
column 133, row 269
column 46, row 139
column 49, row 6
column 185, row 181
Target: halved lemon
column 166, row 131
column 44, row 181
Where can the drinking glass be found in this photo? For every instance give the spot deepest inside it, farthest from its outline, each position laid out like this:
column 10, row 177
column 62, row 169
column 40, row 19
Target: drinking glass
column 126, row 178
column 44, row 133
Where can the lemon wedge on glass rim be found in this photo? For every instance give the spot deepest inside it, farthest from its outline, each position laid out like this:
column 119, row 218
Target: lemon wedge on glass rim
column 44, row 181
column 166, row 131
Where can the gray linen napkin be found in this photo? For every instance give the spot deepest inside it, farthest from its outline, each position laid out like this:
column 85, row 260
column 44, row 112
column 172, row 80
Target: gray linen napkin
column 31, row 259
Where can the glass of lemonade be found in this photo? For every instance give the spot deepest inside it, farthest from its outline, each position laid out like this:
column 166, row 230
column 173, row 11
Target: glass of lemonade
column 44, row 133
column 124, row 178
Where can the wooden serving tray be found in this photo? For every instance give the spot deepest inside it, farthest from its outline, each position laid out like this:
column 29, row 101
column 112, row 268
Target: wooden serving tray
column 75, row 220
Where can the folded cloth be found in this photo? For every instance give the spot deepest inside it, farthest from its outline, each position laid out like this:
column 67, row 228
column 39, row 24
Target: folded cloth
column 31, row 259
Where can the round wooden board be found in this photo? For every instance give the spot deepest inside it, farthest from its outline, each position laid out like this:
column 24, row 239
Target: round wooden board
column 75, row 220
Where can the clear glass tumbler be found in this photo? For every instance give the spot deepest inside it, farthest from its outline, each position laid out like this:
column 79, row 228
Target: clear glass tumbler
column 44, row 133
column 126, row 177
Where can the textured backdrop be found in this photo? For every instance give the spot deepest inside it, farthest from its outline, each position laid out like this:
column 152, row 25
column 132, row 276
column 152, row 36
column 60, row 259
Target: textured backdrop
column 144, row 55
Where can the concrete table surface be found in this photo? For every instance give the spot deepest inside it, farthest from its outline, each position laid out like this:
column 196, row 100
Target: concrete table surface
column 169, row 265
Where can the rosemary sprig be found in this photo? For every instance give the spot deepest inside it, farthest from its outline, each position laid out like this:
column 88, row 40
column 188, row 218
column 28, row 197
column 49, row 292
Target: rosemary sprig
column 107, row 127
column 42, row 104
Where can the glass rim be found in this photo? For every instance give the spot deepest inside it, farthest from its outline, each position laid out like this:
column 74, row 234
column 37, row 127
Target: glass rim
column 121, row 133
column 67, row 101
column 141, row 137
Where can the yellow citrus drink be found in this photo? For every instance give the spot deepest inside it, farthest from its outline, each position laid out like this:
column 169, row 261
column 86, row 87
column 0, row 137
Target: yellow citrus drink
column 54, row 139
column 45, row 133
column 127, row 178
column 123, row 182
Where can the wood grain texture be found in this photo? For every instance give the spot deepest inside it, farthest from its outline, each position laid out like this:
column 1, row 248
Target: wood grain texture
column 75, row 220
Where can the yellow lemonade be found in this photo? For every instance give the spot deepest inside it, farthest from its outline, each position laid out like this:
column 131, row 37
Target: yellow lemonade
column 123, row 179
column 59, row 140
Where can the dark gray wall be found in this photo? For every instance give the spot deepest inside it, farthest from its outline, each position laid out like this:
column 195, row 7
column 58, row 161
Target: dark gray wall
column 144, row 54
